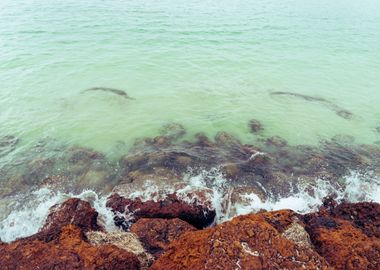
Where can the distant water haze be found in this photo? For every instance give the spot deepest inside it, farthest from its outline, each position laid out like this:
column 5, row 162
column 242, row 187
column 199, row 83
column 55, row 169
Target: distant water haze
column 209, row 65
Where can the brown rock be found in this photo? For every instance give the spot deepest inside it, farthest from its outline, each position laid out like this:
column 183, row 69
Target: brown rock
column 365, row 216
column 157, row 233
column 73, row 211
column 69, row 250
column 246, row 242
column 346, row 235
column 194, row 212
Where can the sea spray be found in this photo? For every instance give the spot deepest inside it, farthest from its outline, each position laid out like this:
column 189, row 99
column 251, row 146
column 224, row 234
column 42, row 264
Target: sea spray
column 29, row 212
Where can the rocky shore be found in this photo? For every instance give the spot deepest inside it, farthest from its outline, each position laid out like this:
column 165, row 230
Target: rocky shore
column 174, row 203
column 177, row 234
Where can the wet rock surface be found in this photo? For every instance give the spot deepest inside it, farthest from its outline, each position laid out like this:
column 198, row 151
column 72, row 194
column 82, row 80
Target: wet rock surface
column 69, row 250
column 346, row 234
column 157, row 233
column 172, row 206
column 73, row 211
column 62, row 244
column 337, row 236
column 246, row 242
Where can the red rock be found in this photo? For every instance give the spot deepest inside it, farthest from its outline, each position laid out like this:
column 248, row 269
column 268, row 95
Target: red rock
column 346, row 235
column 195, row 213
column 68, row 250
column 365, row 216
column 246, row 242
column 73, row 211
column 157, row 233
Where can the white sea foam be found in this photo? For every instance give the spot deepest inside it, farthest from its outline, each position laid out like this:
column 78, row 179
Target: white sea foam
column 31, row 211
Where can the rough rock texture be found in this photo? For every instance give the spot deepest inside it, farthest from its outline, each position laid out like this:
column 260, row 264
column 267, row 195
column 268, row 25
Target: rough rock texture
column 365, row 216
column 68, row 251
column 62, row 244
column 157, row 233
column 123, row 240
column 73, row 211
column 338, row 237
column 346, row 235
column 246, row 242
column 171, row 206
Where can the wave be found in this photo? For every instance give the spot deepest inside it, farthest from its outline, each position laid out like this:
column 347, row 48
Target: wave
column 29, row 212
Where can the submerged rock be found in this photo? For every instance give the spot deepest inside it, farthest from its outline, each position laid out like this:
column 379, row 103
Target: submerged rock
column 276, row 141
column 255, row 126
column 7, row 144
column 173, row 131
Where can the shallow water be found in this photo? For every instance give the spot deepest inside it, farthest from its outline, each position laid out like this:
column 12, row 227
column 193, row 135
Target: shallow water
column 210, row 66
column 207, row 65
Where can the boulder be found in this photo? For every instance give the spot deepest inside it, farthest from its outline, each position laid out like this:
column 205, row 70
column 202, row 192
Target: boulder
column 189, row 207
column 69, row 250
column 157, row 233
column 73, row 211
column 246, row 242
column 346, row 235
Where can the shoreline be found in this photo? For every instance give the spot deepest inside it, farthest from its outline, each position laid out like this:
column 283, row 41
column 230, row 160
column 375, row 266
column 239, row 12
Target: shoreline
column 162, row 235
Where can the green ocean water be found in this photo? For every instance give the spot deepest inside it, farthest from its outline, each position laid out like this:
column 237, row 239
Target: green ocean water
column 209, row 65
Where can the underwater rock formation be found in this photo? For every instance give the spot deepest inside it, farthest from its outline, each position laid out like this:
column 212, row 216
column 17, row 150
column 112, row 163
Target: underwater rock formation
column 118, row 92
column 7, row 144
column 329, row 104
column 255, row 126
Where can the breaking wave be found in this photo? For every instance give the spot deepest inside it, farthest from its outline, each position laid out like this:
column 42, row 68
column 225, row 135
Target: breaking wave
column 28, row 213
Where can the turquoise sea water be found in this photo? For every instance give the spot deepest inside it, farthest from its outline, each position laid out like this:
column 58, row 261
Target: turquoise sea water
column 207, row 65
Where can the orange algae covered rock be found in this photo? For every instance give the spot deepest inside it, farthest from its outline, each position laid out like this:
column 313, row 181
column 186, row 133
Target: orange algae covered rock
column 68, row 251
column 72, row 211
column 346, row 235
column 157, row 233
column 246, row 242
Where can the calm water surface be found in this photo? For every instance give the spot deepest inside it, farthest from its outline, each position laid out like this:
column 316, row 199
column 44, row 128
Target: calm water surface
column 209, row 65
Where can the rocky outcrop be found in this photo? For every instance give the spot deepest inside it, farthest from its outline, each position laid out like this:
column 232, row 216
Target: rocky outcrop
column 63, row 244
column 157, row 233
column 337, row 237
column 69, row 250
column 171, row 206
column 347, row 235
column 246, row 242
column 73, row 211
